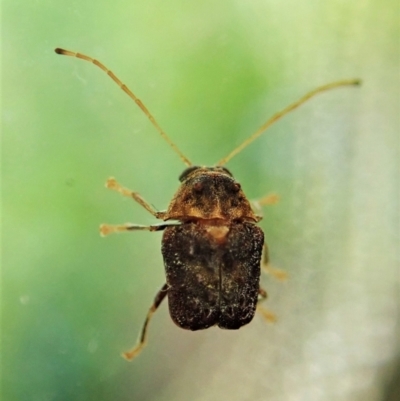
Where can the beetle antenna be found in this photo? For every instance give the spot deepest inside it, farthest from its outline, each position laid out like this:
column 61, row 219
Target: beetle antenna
column 130, row 94
column 285, row 111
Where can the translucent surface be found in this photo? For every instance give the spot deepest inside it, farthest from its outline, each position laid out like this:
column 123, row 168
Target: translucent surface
column 211, row 73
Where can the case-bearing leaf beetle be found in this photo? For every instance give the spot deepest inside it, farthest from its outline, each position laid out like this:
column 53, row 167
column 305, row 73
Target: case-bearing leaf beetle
column 211, row 245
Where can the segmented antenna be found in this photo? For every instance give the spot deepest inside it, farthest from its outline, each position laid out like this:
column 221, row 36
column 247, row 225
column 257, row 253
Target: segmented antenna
column 285, row 111
column 130, row 94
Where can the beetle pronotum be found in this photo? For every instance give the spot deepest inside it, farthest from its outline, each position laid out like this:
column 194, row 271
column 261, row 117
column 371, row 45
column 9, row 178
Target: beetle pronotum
column 212, row 247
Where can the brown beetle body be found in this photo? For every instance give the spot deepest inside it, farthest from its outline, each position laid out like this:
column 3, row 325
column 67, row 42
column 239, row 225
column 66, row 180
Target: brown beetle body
column 212, row 260
column 212, row 282
column 211, row 245
column 209, row 193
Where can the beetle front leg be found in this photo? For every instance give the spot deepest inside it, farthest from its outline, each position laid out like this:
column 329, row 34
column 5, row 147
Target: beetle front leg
column 271, row 199
column 134, row 352
column 113, row 184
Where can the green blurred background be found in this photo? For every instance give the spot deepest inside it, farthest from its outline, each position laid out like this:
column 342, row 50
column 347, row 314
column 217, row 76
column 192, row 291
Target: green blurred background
column 211, row 73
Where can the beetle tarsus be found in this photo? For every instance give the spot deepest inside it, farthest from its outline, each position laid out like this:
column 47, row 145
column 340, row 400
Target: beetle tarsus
column 135, row 351
column 114, row 185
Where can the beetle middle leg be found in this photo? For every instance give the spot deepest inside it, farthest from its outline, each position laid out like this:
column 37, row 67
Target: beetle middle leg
column 271, row 199
column 134, row 352
column 106, row 229
column 278, row 274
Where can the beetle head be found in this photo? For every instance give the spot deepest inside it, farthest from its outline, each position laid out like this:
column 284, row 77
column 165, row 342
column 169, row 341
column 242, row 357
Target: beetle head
column 209, row 193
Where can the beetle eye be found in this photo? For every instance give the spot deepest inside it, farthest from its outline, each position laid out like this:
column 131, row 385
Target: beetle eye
column 226, row 171
column 187, row 172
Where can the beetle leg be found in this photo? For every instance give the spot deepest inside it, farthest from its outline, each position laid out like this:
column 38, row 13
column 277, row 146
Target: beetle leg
column 262, row 294
column 135, row 351
column 268, row 315
column 271, row 199
column 106, row 229
column 113, row 184
column 274, row 272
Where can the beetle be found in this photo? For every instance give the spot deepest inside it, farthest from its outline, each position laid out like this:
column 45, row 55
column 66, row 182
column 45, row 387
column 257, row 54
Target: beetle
column 212, row 246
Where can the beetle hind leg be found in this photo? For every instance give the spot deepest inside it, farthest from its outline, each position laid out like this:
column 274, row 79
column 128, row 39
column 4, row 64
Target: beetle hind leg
column 267, row 314
column 135, row 351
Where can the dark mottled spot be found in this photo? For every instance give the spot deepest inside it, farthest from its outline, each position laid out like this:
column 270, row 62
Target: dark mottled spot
column 236, row 187
column 198, row 186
